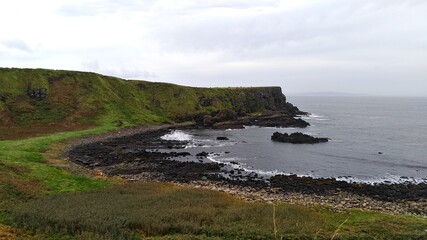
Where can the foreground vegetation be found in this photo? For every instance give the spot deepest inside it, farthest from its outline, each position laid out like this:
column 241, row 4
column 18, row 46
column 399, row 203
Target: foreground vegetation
column 142, row 210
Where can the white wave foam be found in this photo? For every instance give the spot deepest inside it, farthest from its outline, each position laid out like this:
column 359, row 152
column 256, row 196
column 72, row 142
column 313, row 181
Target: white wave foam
column 389, row 179
column 249, row 127
column 213, row 159
column 313, row 116
column 177, row 135
column 208, row 143
column 232, row 162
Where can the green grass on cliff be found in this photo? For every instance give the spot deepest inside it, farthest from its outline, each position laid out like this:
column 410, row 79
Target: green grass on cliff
column 81, row 100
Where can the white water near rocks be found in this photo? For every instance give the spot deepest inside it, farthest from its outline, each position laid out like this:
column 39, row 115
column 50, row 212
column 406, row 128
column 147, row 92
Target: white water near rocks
column 373, row 139
column 177, row 136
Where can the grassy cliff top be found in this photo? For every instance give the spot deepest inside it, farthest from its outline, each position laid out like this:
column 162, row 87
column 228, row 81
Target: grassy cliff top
column 41, row 100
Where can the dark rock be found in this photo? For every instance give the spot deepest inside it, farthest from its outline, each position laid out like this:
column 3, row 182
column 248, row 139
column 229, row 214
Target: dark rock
column 222, row 138
column 208, row 120
column 199, row 119
column 225, row 115
column 202, row 154
column 182, row 154
column 296, row 138
column 278, row 120
column 36, row 94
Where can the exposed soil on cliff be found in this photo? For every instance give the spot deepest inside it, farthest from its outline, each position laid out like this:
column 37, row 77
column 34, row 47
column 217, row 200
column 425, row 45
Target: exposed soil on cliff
column 37, row 130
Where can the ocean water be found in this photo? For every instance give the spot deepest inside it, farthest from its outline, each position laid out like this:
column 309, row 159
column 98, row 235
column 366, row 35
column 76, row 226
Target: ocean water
column 359, row 128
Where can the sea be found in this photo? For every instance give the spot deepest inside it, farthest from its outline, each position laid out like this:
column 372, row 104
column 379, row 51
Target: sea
column 372, row 140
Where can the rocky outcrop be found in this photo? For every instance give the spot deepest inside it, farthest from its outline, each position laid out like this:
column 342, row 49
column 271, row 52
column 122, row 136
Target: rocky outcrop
column 222, row 138
column 36, row 94
column 249, row 100
column 296, row 138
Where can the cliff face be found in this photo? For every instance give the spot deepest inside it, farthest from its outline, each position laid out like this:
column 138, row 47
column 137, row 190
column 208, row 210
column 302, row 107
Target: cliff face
column 40, row 98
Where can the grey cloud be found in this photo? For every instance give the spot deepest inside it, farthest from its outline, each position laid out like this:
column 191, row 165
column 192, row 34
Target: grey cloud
column 329, row 27
column 236, row 4
column 16, row 44
column 93, row 8
column 91, row 65
column 127, row 73
column 352, row 45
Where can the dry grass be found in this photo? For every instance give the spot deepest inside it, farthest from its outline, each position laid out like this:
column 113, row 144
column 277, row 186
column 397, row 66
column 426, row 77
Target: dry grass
column 154, row 210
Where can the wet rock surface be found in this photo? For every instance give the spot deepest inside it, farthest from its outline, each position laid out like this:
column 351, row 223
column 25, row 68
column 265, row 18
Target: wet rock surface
column 141, row 154
column 222, row 138
column 384, row 192
column 297, row 138
column 225, row 119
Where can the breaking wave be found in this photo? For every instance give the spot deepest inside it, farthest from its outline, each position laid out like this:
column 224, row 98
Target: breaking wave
column 177, row 135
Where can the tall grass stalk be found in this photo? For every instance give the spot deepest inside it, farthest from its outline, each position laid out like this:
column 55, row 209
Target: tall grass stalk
column 274, row 222
column 338, row 229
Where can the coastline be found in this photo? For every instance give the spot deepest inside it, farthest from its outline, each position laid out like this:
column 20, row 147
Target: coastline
column 159, row 166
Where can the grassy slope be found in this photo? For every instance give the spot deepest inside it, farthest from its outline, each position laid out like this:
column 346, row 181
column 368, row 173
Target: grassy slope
column 79, row 100
column 26, row 174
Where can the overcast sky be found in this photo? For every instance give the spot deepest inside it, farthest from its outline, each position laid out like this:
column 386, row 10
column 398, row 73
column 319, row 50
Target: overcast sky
column 376, row 47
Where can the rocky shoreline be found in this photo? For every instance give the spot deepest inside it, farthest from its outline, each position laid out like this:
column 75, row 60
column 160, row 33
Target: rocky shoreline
column 139, row 154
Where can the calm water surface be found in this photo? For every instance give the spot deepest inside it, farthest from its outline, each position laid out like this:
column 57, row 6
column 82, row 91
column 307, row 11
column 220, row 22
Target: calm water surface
column 359, row 128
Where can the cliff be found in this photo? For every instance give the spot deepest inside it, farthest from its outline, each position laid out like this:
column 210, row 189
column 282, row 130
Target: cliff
column 39, row 100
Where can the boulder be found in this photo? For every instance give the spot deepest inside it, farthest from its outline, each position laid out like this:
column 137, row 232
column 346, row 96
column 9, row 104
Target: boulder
column 222, row 138
column 296, row 138
column 202, row 154
column 225, row 115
